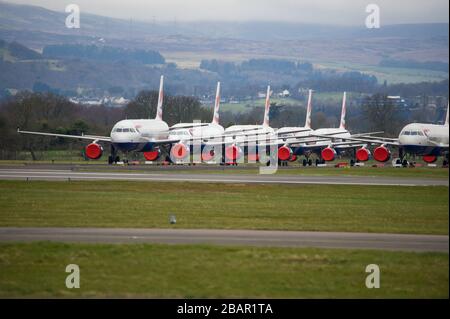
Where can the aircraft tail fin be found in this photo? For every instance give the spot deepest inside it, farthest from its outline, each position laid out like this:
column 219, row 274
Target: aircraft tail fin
column 267, row 108
column 344, row 110
column 309, row 110
column 446, row 118
column 159, row 109
column 217, row 105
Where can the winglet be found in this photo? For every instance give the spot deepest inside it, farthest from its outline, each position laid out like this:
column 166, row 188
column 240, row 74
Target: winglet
column 267, row 108
column 309, row 110
column 159, row 109
column 217, row 105
column 344, row 110
column 446, row 119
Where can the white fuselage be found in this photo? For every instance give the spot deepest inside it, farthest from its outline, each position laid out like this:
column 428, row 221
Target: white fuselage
column 134, row 135
column 424, row 139
column 210, row 130
column 246, row 132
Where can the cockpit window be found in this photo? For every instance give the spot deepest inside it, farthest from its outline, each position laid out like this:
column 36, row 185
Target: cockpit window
column 406, row 133
column 118, row 130
column 126, row 130
column 421, row 133
column 414, row 133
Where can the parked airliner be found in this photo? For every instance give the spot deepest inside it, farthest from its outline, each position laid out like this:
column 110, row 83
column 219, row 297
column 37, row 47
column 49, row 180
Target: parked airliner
column 150, row 136
column 420, row 139
column 187, row 136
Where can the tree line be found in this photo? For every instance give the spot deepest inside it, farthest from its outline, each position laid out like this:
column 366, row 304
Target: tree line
column 102, row 53
column 48, row 112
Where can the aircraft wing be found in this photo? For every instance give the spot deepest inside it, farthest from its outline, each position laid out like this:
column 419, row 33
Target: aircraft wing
column 381, row 141
column 293, row 131
column 190, row 125
column 81, row 137
column 163, row 142
column 439, row 144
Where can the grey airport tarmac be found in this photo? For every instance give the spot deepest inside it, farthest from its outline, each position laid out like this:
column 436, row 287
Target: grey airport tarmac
column 66, row 172
column 419, row 243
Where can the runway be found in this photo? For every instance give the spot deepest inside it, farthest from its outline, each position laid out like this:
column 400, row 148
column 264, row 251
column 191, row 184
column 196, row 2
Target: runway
column 61, row 174
column 417, row 243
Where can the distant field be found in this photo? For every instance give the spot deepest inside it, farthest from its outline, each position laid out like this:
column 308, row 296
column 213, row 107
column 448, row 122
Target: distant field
column 391, row 75
column 191, row 60
column 164, row 271
column 421, row 210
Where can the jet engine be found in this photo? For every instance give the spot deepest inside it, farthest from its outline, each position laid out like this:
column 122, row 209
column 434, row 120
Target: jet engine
column 233, row 152
column 94, row 151
column 152, row 155
column 328, row 154
column 363, row 154
column 179, row 151
column 382, row 154
column 284, row 153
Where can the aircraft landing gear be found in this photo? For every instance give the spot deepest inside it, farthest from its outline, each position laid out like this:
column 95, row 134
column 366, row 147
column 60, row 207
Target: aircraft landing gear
column 319, row 162
column 307, row 162
column 352, row 162
column 113, row 158
column 445, row 162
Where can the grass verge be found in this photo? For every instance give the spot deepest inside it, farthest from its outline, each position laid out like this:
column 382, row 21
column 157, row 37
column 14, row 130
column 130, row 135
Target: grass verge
column 191, row 271
column 385, row 209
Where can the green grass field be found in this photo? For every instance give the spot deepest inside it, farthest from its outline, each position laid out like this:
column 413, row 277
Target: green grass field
column 391, row 75
column 421, row 210
column 38, row 270
column 417, row 172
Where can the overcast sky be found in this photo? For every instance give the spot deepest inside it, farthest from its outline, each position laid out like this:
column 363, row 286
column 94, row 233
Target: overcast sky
column 311, row 11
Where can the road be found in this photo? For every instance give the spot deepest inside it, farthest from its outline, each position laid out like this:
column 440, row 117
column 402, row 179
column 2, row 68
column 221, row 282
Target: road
column 58, row 174
column 416, row 243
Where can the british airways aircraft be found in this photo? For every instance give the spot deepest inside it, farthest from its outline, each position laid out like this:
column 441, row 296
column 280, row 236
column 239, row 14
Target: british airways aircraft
column 181, row 150
column 420, row 139
column 150, row 136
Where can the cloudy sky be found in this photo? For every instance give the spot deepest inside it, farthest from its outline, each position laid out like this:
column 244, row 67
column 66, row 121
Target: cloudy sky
column 351, row 12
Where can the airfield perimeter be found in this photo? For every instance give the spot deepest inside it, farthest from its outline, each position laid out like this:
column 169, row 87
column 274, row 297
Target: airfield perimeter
column 322, row 223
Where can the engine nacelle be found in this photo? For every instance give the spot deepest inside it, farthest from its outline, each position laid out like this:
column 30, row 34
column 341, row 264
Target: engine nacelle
column 94, row 151
column 284, row 153
column 382, row 154
column 208, row 154
column 179, row 151
column 233, row 153
column 328, row 154
column 363, row 154
column 430, row 159
column 293, row 158
column 152, row 155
